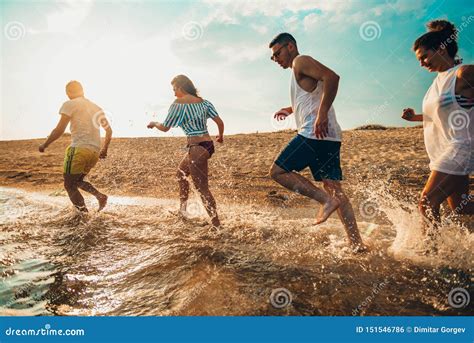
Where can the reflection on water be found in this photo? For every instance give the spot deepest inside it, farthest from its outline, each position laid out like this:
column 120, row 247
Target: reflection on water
column 138, row 258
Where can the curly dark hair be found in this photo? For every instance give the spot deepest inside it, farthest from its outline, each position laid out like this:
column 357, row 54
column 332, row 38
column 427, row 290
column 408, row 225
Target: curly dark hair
column 441, row 34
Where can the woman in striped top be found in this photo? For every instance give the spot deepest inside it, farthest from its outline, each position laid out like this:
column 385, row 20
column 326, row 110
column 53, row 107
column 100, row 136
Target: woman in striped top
column 190, row 112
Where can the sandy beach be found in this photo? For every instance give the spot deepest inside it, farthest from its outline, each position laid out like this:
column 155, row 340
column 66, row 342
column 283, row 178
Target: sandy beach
column 238, row 169
column 138, row 258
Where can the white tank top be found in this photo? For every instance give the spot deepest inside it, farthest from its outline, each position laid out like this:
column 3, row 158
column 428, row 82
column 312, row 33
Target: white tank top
column 305, row 107
column 448, row 128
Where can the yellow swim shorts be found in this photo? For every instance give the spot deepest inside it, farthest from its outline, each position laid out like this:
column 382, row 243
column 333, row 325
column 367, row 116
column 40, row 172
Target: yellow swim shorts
column 79, row 160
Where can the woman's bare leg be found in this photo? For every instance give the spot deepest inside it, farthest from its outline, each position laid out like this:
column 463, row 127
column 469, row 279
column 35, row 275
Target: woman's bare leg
column 437, row 189
column 198, row 166
column 460, row 201
column 182, row 176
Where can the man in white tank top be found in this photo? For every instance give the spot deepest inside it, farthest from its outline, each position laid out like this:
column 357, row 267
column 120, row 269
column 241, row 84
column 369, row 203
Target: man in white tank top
column 313, row 88
column 85, row 118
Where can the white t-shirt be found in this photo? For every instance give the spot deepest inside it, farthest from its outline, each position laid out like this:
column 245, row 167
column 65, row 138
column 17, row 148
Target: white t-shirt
column 85, row 118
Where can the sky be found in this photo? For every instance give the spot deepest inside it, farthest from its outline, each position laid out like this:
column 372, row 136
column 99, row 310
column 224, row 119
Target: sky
column 125, row 54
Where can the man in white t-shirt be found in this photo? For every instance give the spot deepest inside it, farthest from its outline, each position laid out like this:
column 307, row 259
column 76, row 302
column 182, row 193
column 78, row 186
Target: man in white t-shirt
column 317, row 145
column 85, row 118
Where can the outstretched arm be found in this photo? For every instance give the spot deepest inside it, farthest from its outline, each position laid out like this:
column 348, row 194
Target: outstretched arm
column 220, row 125
column 159, row 126
column 56, row 133
column 308, row 66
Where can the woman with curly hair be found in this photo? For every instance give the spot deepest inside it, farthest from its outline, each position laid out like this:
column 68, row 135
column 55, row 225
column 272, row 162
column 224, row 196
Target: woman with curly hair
column 448, row 122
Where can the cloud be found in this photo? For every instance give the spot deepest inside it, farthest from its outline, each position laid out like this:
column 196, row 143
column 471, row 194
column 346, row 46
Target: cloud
column 404, row 6
column 273, row 8
column 310, row 21
column 237, row 53
column 292, row 23
column 67, row 16
column 333, row 12
column 262, row 29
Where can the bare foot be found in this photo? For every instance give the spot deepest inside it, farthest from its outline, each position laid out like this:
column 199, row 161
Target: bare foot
column 102, row 201
column 325, row 211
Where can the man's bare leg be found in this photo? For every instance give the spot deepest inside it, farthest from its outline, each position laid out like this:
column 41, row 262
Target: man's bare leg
column 89, row 188
column 71, row 185
column 346, row 214
column 299, row 184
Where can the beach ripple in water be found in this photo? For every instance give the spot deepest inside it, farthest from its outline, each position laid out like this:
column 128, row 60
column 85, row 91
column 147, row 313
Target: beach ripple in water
column 138, row 258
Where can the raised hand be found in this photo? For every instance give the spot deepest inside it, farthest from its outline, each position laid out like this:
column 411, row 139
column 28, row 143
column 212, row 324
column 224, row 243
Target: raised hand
column 408, row 114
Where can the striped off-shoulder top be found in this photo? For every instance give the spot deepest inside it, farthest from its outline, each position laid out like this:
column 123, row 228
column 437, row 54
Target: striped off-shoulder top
column 191, row 117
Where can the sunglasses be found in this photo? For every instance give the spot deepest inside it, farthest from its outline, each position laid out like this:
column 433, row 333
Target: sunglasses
column 278, row 52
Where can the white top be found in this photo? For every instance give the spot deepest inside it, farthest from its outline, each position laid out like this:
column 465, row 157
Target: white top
column 448, row 128
column 85, row 122
column 305, row 107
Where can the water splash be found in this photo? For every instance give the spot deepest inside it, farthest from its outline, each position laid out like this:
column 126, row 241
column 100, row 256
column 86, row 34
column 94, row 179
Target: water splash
column 139, row 258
